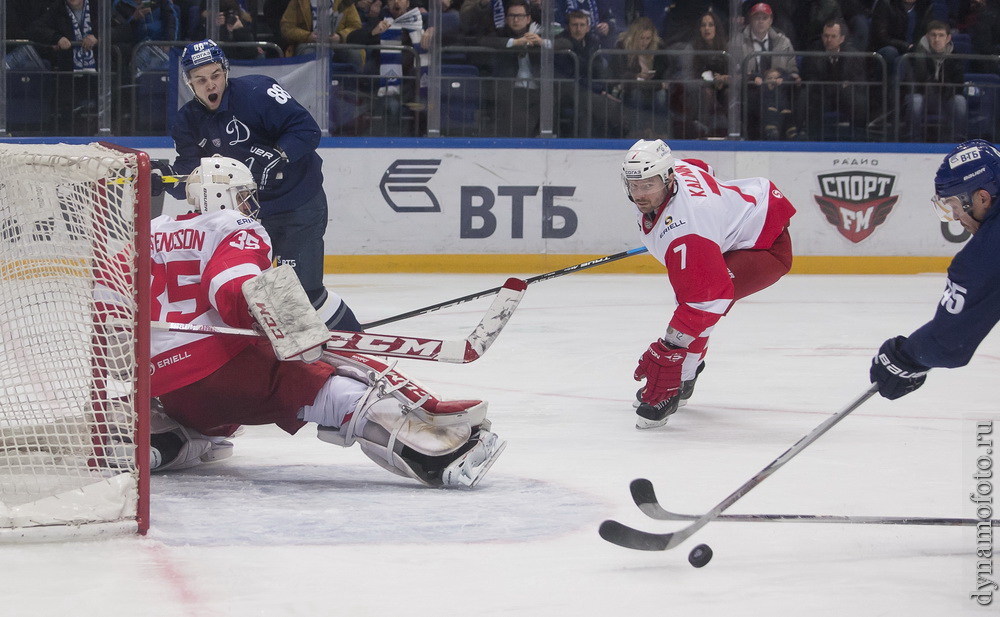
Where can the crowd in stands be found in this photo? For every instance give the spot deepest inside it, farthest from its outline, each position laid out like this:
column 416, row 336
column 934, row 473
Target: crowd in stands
column 811, row 69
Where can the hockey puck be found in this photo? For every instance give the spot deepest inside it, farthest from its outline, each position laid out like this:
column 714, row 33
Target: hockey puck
column 700, row 555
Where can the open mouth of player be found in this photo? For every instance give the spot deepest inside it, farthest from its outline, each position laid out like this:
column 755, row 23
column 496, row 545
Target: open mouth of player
column 213, row 97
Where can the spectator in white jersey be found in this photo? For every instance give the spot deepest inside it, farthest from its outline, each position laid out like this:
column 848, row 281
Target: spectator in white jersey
column 213, row 268
column 719, row 241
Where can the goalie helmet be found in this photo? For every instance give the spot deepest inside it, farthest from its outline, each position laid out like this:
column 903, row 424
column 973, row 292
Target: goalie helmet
column 971, row 166
column 222, row 183
column 647, row 159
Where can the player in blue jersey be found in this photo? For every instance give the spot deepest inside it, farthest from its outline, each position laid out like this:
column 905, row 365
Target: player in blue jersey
column 967, row 186
column 254, row 120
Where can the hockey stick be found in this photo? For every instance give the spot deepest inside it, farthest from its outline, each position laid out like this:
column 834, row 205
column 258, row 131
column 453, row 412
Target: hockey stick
column 461, row 351
column 645, row 497
column 488, row 292
column 166, row 179
column 626, row 536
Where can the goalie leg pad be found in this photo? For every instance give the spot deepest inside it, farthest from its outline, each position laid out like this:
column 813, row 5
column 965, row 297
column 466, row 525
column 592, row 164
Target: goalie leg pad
column 281, row 308
column 403, row 442
column 412, row 394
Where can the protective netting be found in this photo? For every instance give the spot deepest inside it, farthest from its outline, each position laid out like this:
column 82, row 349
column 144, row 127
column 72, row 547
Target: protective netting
column 67, row 333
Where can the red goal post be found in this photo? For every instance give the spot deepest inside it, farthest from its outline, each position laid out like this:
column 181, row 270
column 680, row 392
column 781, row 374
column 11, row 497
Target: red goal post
column 74, row 333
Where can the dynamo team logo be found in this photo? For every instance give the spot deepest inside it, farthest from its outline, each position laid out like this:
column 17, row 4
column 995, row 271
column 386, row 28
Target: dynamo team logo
column 856, row 202
column 404, row 185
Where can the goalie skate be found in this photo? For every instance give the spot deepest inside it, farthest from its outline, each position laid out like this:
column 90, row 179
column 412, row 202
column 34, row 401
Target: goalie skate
column 469, row 468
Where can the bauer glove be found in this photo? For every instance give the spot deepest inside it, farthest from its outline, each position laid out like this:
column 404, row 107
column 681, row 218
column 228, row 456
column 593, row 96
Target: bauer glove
column 268, row 163
column 661, row 367
column 895, row 372
column 158, row 169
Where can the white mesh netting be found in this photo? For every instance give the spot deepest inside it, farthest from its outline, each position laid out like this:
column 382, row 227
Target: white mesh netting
column 67, row 316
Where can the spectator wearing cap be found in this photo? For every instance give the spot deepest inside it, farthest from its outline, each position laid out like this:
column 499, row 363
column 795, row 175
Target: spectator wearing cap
column 752, row 49
column 759, row 36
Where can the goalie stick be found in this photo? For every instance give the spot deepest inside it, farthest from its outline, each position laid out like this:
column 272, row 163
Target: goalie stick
column 460, row 351
column 482, row 294
column 645, row 497
column 628, row 537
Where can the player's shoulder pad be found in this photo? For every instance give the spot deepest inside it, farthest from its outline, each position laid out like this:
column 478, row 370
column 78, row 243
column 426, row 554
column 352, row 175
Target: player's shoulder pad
column 699, row 164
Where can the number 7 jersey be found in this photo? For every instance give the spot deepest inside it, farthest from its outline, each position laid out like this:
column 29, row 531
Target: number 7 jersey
column 704, row 219
column 199, row 264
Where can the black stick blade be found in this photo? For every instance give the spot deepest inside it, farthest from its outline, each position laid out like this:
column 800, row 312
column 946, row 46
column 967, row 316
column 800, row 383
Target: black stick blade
column 623, row 535
column 642, row 492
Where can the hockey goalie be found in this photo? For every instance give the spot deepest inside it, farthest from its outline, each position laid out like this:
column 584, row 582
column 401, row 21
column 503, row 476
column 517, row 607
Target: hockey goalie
column 212, row 267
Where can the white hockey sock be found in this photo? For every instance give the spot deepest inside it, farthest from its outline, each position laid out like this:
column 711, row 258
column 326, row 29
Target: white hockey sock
column 337, row 398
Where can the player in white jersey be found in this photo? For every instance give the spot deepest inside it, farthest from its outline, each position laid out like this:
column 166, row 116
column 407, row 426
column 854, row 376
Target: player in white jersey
column 213, row 267
column 719, row 241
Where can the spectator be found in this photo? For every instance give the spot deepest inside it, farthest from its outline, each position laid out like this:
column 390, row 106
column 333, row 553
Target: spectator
column 783, row 16
column 517, row 105
column 273, row 11
column 64, row 23
column 980, row 19
column 712, row 66
column 897, row 26
column 602, row 22
column 21, row 15
column 754, row 43
column 149, row 20
column 643, row 91
column 481, row 18
column 299, row 26
column 137, row 21
column 936, row 87
column 682, row 18
column 232, row 29
column 591, row 92
column 398, row 84
column 832, row 87
column 810, row 17
column 858, row 16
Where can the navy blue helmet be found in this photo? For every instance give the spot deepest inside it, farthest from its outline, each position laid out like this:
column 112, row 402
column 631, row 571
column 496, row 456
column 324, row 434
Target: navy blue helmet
column 203, row 52
column 971, row 166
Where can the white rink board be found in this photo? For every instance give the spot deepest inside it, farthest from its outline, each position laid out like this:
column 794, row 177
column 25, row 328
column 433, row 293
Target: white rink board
column 524, row 201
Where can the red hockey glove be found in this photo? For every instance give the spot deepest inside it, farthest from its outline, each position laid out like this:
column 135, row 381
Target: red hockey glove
column 661, row 367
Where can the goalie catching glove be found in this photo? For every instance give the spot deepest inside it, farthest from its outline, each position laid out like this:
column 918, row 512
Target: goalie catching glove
column 661, row 367
column 283, row 312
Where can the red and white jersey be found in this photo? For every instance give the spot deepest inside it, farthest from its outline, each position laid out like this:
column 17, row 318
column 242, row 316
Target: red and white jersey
column 199, row 264
column 705, row 218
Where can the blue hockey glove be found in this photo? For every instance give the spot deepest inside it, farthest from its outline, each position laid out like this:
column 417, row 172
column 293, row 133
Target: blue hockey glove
column 159, row 169
column 896, row 373
column 267, row 163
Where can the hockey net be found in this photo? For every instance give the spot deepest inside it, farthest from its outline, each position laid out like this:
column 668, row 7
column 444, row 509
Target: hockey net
column 74, row 376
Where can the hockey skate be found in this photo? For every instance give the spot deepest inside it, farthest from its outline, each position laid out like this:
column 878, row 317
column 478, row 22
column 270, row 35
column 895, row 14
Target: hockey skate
column 652, row 416
column 470, row 467
column 687, row 389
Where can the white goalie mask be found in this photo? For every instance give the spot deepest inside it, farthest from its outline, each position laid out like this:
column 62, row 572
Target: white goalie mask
column 647, row 159
column 222, row 183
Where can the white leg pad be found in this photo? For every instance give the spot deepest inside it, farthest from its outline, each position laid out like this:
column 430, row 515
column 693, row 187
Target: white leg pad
column 412, row 394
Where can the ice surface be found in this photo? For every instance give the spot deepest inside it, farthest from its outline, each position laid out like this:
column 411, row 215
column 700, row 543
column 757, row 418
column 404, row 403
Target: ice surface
column 294, row 526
